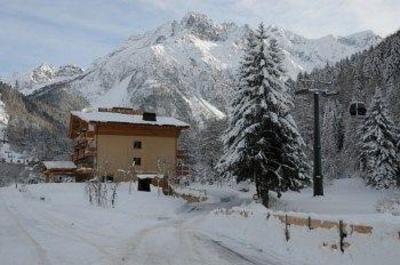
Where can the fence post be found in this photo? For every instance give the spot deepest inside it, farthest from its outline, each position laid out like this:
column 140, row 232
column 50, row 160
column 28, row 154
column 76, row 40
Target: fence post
column 269, row 215
column 342, row 235
column 287, row 235
column 309, row 223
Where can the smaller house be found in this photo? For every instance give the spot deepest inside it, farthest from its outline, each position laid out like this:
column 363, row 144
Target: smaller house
column 55, row 171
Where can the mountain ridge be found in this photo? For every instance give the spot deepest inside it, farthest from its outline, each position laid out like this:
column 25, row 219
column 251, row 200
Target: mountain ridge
column 186, row 68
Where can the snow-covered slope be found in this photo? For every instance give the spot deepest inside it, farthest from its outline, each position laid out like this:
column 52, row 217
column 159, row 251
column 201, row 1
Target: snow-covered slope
column 42, row 75
column 6, row 152
column 304, row 54
column 186, row 68
column 3, row 115
column 3, row 125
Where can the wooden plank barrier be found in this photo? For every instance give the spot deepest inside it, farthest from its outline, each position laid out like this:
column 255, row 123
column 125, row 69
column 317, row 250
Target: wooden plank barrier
column 324, row 224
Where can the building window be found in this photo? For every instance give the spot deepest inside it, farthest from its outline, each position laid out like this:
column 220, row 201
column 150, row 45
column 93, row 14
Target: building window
column 137, row 145
column 137, row 160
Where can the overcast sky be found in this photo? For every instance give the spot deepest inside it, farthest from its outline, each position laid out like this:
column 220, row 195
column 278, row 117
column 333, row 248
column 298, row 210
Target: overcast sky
column 79, row 31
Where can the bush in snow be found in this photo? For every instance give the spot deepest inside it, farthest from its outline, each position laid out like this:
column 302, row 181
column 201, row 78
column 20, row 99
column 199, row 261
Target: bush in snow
column 379, row 158
column 103, row 194
column 262, row 141
column 389, row 205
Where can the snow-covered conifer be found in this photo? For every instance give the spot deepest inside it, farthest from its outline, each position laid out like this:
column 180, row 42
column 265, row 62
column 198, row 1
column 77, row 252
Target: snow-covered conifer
column 379, row 157
column 262, row 141
column 238, row 155
column 286, row 162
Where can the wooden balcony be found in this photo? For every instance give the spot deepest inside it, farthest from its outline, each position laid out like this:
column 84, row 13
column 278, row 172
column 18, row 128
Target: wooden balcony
column 82, row 155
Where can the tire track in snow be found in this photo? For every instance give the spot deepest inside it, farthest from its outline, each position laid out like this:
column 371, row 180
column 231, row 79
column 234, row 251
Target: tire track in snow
column 136, row 240
column 73, row 234
column 54, row 224
column 172, row 243
column 61, row 229
column 185, row 246
column 42, row 253
column 220, row 246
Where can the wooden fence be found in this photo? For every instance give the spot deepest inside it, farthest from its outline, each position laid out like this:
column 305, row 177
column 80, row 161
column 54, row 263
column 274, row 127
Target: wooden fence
column 324, row 224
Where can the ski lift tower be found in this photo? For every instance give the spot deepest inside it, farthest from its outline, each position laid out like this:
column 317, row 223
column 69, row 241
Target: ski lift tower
column 318, row 188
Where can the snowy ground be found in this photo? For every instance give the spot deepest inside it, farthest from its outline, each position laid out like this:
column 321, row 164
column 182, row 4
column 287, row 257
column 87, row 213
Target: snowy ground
column 149, row 228
column 344, row 198
column 144, row 228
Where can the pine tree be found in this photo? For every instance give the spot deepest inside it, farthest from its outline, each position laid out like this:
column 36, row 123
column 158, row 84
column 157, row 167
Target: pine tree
column 262, row 140
column 237, row 158
column 379, row 158
column 287, row 165
column 392, row 67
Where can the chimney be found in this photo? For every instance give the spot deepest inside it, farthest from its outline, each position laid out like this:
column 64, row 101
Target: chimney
column 122, row 110
column 149, row 116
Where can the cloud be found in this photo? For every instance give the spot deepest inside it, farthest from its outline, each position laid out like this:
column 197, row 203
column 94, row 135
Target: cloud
column 33, row 31
column 313, row 18
column 381, row 16
column 57, row 32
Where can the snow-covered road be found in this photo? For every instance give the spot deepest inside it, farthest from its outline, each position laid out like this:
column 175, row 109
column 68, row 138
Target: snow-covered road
column 63, row 229
column 16, row 242
column 54, row 224
column 176, row 243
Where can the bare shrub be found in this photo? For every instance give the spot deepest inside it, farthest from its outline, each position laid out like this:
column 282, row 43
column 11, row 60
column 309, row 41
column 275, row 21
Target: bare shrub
column 102, row 194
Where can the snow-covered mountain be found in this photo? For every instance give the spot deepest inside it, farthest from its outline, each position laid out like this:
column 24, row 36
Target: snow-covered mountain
column 187, row 68
column 6, row 153
column 3, row 115
column 304, row 54
column 42, row 75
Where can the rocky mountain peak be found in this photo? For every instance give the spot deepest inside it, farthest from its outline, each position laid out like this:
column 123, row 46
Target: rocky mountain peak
column 69, row 70
column 204, row 27
column 43, row 73
column 46, row 72
column 361, row 39
column 193, row 20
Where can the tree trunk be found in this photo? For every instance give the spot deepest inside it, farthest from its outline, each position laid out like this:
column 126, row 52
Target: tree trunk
column 257, row 183
column 264, row 195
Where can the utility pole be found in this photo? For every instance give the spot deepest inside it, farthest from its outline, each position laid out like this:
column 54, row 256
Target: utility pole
column 318, row 187
column 317, row 176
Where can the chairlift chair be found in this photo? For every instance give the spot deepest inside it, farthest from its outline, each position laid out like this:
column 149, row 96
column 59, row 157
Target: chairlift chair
column 358, row 109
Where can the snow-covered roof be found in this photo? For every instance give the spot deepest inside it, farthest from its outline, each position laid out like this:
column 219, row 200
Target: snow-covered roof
column 147, row 176
column 97, row 116
column 59, row 164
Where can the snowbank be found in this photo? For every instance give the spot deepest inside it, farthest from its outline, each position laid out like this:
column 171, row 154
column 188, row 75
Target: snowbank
column 63, row 228
column 249, row 228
